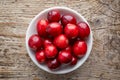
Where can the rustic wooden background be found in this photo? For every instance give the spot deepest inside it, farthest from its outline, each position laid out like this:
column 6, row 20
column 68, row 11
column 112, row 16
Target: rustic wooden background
column 104, row 18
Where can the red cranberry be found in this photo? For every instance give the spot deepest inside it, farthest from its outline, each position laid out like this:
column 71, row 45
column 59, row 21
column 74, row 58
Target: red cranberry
column 40, row 56
column 68, row 19
column 74, row 60
column 35, row 42
column 41, row 27
column 54, row 16
column 61, row 41
column 64, row 56
column 80, row 48
column 47, row 42
column 53, row 64
column 84, row 30
column 51, row 51
column 54, row 29
column 71, row 31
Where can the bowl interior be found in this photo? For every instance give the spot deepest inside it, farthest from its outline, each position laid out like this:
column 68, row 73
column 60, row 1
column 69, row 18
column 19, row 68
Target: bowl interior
column 32, row 30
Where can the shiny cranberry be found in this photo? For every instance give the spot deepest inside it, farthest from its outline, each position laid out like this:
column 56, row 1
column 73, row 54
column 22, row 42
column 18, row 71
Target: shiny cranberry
column 40, row 56
column 84, row 29
column 71, row 31
column 64, row 56
column 47, row 42
column 74, row 60
column 54, row 16
column 51, row 51
column 68, row 19
column 54, row 29
column 35, row 42
column 61, row 41
column 41, row 27
column 79, row 48
column 53, row 64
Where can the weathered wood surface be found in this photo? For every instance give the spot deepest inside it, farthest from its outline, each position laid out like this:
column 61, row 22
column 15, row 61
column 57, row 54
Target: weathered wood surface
column 104, row 18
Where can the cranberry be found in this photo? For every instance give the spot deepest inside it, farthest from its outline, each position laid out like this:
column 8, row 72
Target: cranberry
column 74, row 60
column 47, row 42
column 41, row 27
column 35, row 42
column 40, row 56
column 84, row 30
column 54, row 29
column 61, row 41
column 51, row 51
column 68, row 19
column 64, row 56
column 71, row 31
column 80, row 48
column 53, row 64
column 54, row 16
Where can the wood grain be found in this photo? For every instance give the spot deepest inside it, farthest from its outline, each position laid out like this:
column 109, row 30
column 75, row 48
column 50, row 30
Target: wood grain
column 104, row 18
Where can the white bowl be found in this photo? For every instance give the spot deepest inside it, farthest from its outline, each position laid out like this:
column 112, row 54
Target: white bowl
column 32, row 30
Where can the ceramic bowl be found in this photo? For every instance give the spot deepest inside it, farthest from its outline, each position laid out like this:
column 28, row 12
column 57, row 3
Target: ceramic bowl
column 32, row 30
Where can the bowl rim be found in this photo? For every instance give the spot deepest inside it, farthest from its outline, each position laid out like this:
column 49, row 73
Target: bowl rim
column 64, row 8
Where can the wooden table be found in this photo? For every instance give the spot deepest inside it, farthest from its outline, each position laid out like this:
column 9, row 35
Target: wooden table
column 104, row 60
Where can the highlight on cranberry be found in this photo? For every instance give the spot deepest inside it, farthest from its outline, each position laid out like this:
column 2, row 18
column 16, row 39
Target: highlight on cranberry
column 54, row 16
column 35, row 42
column 60, row 40
column 41, row 27
column 68, row 19
column 40, row 56
column 54, row 29
column 71, row 31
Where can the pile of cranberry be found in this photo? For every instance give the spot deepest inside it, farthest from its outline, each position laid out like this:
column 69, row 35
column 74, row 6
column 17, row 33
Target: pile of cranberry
column 60, row 40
